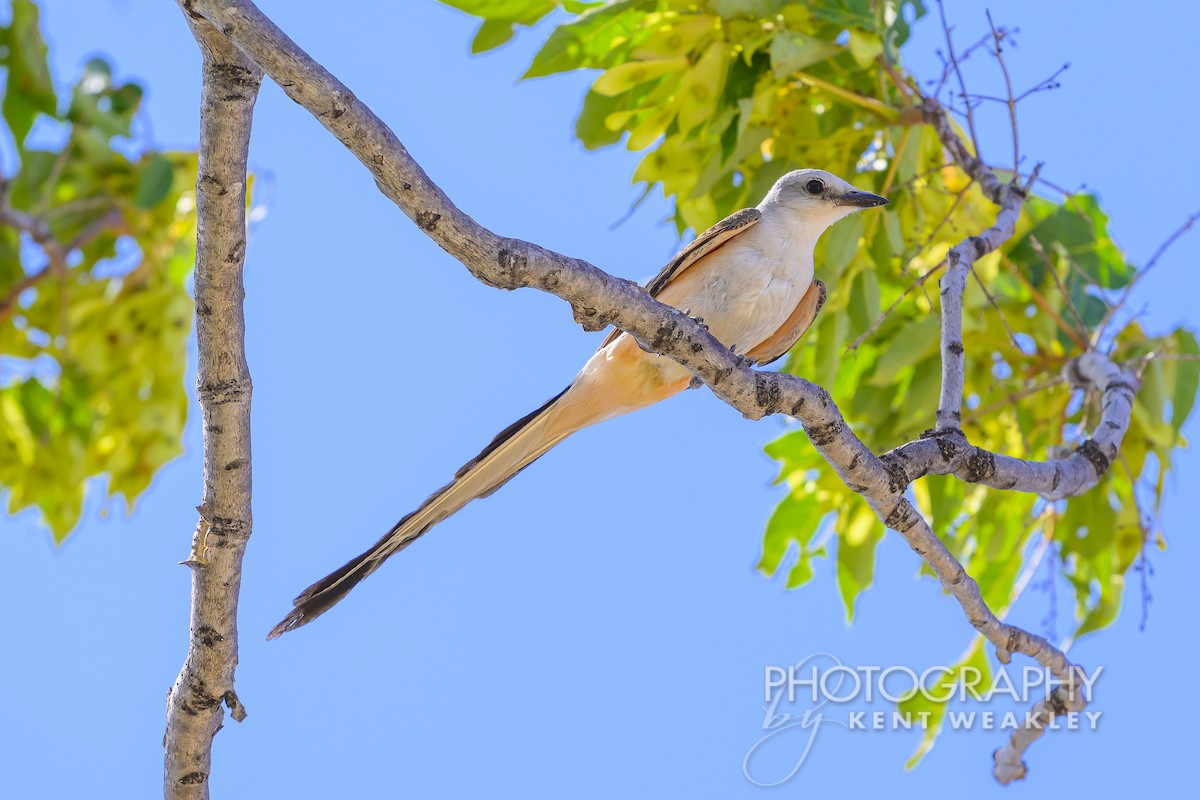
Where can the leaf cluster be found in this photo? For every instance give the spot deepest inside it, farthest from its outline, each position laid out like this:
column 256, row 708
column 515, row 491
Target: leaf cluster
column 96, row 246
column 725, row 96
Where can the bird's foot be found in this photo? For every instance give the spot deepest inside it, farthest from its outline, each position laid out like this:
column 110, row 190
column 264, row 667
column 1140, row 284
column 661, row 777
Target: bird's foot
column 744, row 361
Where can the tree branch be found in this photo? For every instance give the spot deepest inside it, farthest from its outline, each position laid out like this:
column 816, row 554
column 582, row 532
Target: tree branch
column 598, row 300
column 56, row 252
column 206, row 681
column 949, row 452
column 1009, row 197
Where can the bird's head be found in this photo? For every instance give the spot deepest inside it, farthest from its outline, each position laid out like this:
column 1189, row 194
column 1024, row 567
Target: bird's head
column 818, row 198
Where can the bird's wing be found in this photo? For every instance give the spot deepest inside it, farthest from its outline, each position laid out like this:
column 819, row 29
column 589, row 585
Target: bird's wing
column 797, row 323
column 701, row 246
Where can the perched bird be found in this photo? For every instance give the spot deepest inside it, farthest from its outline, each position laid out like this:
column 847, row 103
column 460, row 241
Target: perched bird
column 750, row 277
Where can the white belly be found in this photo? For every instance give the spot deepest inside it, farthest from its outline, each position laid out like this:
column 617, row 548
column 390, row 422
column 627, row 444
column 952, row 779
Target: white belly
column 750, row 298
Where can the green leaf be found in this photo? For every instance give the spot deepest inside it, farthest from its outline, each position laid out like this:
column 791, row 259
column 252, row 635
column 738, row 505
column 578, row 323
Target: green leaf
column 590, row 126
column 754, row 9
column 491, row 34
column 913, row 343
column 1080, row 227
column 830, row 341
column 845, row 13
column 859, row 533
column 624, row 77
column 864, row 301
column 154, row 183
column 500, row 17
column 791, row 52
column 1187, row 378
column 840, row 246
column 794, row 520
column 589, row 40
column 702, row 86
column 99, row 104
column 29, row 89
column 864, row 46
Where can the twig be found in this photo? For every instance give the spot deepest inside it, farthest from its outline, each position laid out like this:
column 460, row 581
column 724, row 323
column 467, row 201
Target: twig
column 1162, row 357
column 880, row 109
column 1041, row 302
column 9, row 302
column 1045, row 84
column 60, row 163
column 921, row 279
column 1142, row 273
column 1143, row 528
column 39, row 231
column 1010, row 198
column 1027, row 572
column 997, row 37
column 1012, row 398
column 56, row 253
column 1050, row 583
column 962, row 85
column 1081, row 328
column 1012, row 336
column 109, row 219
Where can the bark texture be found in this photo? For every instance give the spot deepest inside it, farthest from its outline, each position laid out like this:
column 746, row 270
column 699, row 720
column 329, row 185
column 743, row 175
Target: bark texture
column 598, row 299
column 205, row 683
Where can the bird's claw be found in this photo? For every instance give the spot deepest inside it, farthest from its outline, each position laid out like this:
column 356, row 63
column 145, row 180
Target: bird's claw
column 742, row 360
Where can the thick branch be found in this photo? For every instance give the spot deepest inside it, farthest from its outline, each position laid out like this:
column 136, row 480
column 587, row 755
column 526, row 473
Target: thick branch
column 194, row 704
column 599, row 300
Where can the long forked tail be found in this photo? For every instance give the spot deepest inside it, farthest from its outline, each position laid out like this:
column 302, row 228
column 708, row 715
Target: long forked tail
column 513, row 449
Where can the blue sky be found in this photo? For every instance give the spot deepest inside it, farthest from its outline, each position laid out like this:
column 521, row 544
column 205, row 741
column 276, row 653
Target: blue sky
column 596, row 629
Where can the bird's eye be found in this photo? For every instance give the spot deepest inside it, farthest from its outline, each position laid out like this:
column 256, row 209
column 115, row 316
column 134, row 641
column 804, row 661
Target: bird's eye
column 814, row 186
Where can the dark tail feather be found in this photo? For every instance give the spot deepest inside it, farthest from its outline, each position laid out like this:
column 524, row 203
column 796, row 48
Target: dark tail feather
column 329, row 591
column 325, row 593
column 480, row 477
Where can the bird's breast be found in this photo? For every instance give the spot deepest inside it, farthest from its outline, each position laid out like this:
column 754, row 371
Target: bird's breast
column 749, row 290
column 745, row 291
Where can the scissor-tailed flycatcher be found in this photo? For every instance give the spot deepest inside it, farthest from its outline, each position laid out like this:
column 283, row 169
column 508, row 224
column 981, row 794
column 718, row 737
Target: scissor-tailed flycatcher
column 750, row 277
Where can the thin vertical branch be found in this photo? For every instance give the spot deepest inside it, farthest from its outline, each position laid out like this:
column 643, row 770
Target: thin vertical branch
column 206, row 681
column 1052, row 270
column 962, row 84
column 1102, row 328
column 997, row 37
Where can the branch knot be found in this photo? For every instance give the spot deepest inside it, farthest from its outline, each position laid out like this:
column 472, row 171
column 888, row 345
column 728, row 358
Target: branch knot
column 1091, row 451
column 981, row 465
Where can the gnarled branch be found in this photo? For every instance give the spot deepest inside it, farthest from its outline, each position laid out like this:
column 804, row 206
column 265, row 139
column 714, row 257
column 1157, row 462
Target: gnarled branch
column 599, row 299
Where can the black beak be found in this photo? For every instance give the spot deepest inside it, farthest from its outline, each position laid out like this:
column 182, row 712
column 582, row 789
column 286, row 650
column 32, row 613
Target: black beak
column 860, row 200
